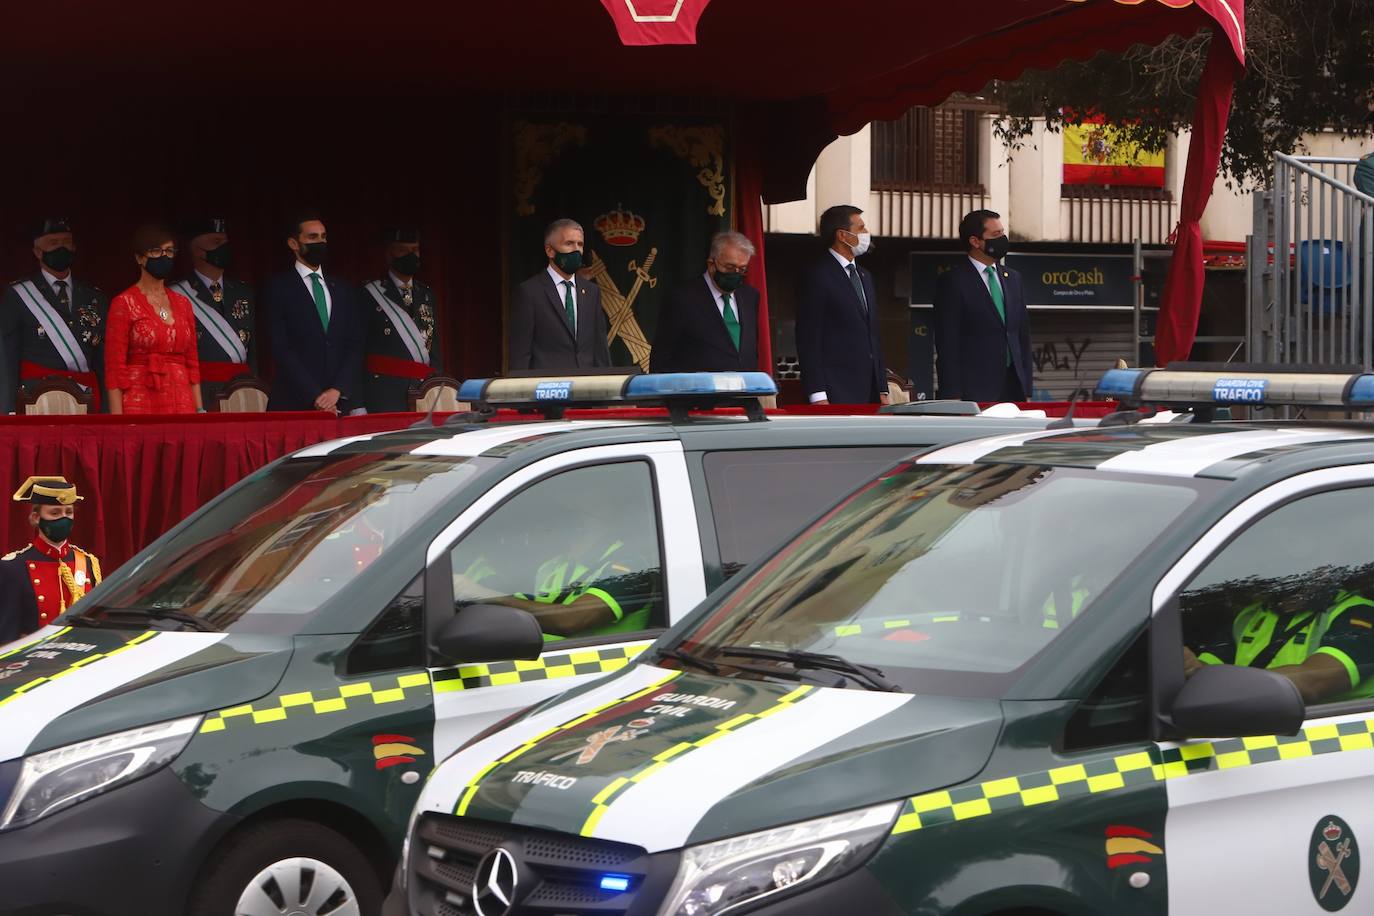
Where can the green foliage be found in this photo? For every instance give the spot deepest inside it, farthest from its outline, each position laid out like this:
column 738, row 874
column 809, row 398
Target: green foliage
column 1310, row 67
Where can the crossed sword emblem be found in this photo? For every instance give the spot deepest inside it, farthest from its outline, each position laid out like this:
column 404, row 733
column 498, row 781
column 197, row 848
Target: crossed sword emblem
column 1330, row 863
column 620, row 306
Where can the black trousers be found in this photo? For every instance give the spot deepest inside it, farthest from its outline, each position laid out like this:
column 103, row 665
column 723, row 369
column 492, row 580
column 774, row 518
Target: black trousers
column 1012, row 389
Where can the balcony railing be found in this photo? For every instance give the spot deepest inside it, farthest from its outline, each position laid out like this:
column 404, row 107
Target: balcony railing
column 932, row 213
column 1117, row 214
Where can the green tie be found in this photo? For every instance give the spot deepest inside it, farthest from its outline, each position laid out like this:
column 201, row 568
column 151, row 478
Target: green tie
column 731, row 321
column 317, row 286
column 995, row 290
column 569, row 306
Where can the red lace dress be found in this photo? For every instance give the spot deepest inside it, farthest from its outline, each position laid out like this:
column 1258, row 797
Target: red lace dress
column 152, row 362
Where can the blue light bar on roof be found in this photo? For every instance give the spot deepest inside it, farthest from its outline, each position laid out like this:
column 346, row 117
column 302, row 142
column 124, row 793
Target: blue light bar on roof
column 595, row 390
column 1224, row 386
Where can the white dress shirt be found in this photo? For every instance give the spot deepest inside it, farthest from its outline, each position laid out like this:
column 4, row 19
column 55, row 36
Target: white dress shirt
column 53, row 281
column 562, row 291
column 207, row 282
column 844, row 263
column 305, row 271
column 400, row 285
column 983, row 272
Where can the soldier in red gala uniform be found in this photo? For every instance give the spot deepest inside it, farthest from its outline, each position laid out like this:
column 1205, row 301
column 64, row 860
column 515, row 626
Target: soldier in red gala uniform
column 40, row 581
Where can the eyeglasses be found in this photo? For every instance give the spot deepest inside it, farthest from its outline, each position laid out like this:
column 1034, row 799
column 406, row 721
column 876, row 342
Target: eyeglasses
column 160, row 252
column 732, row 269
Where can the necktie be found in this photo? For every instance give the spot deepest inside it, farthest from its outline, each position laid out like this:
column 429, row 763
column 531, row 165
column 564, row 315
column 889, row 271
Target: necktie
column 569, row 305
column 62, row 298
column 317, row 286
column 995, row 290
column 407, row 296
column 216, row 292
column 731, row 320
column 858, row 286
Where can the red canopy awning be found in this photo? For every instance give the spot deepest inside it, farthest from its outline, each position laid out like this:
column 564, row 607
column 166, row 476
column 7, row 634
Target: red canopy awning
column 796, row 76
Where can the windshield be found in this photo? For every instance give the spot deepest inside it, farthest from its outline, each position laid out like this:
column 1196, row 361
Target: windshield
column 948, row 578
column 285, row 541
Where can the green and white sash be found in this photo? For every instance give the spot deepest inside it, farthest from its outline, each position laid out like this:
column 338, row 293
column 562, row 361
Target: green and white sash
column 215, row 324
column 404, row 324
column 63, row 340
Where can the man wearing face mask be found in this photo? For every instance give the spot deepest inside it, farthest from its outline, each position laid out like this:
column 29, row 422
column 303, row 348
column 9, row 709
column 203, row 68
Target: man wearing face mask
column 556, row 319
column 982, row 328
column 225, row 317
column 402, row 331
column 50, row 324
column 712, row 322
column 39, row 582
column 316, row 330
column 837, row 321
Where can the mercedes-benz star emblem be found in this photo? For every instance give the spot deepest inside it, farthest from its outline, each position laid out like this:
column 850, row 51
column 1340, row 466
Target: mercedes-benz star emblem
column 493, row 886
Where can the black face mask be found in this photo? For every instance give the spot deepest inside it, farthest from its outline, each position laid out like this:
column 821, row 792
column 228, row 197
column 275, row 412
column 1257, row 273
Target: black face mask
column 997, row 248
column 314, row 253
column 58, row 258
column 728, row 283
column 218, row 257
column 160, row 267
column 56, row 530
column 407, row 265
column 567, row 261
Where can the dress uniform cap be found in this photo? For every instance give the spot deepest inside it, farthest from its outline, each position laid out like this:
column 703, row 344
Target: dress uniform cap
column 50, row 224
column 205, row 225
column 47, row 491
column 401, row 234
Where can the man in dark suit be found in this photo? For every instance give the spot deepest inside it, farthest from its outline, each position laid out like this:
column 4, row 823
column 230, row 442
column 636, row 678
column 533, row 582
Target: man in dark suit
column 316, row 329
column 402, row 330
column 49, row 323
column 711, row 323
column 982, row 328
column 556, row 319
column 226, row 322
column 837, row 325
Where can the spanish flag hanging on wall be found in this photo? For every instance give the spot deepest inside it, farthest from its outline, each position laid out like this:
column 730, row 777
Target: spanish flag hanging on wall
column 1097, row 153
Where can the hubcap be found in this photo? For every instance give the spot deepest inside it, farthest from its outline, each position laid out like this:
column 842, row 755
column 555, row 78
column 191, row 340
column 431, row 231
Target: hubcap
column 298, row 887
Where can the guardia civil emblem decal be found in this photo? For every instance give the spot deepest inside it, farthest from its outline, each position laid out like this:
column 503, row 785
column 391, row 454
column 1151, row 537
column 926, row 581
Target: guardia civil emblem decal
column 1333, row 863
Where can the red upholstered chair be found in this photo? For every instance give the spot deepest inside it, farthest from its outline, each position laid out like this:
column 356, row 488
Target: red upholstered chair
column 54, row 396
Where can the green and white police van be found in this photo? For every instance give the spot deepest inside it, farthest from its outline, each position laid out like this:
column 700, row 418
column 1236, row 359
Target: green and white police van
column 239, row 719
column 1119, row 670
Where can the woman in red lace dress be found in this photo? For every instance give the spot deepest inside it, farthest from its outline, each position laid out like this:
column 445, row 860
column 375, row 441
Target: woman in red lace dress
column 150, row 337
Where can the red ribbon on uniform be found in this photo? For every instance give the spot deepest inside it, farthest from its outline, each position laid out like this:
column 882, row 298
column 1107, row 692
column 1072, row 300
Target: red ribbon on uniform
column 401, row 368
column 32, row 372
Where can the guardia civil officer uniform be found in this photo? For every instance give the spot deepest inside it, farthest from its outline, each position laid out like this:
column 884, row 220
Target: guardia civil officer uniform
column 39, row 582
column 226, row 321
column 51, row 326
column 403, row 345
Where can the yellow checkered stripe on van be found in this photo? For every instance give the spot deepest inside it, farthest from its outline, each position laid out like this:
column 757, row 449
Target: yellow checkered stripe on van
column 1142, row 768
column 602, row 800
column 359, row 694
column 84, row 661
column 592, row 660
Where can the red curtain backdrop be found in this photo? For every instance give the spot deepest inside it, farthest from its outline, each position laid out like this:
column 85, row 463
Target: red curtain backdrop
column 1181, row 302
column 749, row 207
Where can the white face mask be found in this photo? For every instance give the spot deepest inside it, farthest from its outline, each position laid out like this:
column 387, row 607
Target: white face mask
column 864, row 243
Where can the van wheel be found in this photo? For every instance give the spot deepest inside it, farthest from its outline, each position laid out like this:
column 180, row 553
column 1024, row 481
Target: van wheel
column 287, row 868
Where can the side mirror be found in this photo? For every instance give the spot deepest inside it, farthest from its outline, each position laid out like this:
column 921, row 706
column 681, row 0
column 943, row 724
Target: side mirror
column 490, row 633
column 1226, row 701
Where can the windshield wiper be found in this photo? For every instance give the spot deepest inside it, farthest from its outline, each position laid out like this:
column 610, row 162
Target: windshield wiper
column 189, row 620
column 688, row 658
column 865, row 674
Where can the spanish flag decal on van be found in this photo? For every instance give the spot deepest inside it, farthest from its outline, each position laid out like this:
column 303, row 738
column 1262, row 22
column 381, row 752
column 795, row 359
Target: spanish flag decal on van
column 390, row 750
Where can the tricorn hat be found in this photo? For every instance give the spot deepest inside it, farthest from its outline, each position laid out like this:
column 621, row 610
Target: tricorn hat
column 47, row 491
column 400, row 234
column 50, row 224
column 205, row 225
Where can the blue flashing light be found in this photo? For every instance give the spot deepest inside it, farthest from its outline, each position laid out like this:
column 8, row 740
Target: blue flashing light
column 615, row 882
column 688, row 384
column 471, row 390
column 1120, row 383
column 1362, row 392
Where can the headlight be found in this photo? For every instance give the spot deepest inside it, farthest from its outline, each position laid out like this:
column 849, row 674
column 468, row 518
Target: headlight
column 62, row 777
column 716, row 878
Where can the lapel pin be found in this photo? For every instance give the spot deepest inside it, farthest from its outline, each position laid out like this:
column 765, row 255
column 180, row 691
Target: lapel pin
column 583, row 291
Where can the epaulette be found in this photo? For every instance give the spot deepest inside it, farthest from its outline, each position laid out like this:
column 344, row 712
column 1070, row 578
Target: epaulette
column 13, row 553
